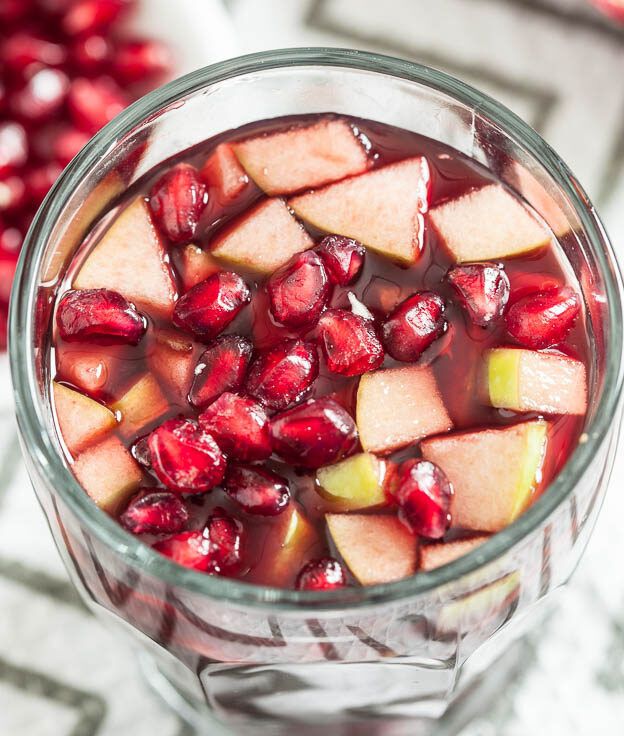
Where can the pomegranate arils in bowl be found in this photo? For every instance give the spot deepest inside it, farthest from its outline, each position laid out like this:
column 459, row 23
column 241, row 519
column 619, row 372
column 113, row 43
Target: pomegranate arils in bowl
column 209, row 307
column 325, row 573
column 282, row 375
column 544, row 318
column 221, row 367
column 423, row 493
column 99, row 315
column 177, row 201
column 343, row 258
column 316, row 433
column 240, row 426
column 257, row 490
column 299, row 290
column 414, row 325
column 350, row 343
column 482, row 289
column 185, row 457
column 155, row 512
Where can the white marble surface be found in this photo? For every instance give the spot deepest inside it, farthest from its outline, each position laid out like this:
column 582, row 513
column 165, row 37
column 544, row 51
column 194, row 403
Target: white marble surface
column 559, row 65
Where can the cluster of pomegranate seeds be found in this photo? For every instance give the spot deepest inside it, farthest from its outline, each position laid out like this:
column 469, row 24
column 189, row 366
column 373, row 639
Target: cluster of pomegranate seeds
column 325, row 573
column 423, row 494
column 99, row 315
column 66, row 69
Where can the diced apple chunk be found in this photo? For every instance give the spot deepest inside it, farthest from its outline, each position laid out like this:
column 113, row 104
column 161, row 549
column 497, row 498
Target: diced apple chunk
column 399, row 406
column 288, row 547
column 81, row 420
column 354, row 483
column 264, row 239
column 108, row 473
column 302, row 158
column 131, row 259
column 487, row 224
column 142, row 404
column 441, row 553
column 223, row 172
column 377, row 549
column 195, row 266
column 382, row 209
column 527, row 380
column 89, row 371
column 494, row 472
column 172, row 359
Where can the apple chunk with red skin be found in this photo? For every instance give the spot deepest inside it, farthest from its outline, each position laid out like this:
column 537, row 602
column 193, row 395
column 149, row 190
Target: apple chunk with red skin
column 494, row 472
column 382, row 208
column 302, row 158
column 130, row 258
column 376, row 548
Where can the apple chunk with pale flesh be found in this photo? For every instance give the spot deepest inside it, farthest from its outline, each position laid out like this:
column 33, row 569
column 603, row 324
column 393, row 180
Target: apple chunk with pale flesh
column 81, row 420
column 354, row 483
column 108, row 473
column 398, row 406
column 263, row 239
column 494, row 472
column 377, row 549
column 302, row 158
column 527, row 380
column 143, row 403
column 383, row 209
column 130, row 258
column 288, row 547
column 442, row 553
column 172, row 358
column 487, row 224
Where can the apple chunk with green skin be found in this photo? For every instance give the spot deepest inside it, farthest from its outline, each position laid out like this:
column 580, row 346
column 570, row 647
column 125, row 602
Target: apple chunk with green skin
column 398, row 406
column 288, row 547
column 108, row 473
column 442, row 553
column 143, row 403
column 494, row 472
column 487, row 224
column 81, row 420
column 354, row 483
column 263, row 239
column 130, row 258
column 302, row 158
column 383, row 208
column 377, row 549
column 527, row 380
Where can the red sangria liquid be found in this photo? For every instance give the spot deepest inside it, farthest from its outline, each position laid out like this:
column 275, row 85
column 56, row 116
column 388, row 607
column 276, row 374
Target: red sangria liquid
column 316, row 352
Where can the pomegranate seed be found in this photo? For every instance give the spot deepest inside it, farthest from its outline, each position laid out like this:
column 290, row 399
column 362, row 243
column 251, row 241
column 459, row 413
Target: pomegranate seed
column 141, row 452
column 281, row 376
column 22, row 49
column 240, row 426
column 41, row 97
column 221, row 367
column 325, row 573
column 99, row 315
column 343, row 258
column 349, row 342
column 257, row 490
column 423, row 493
column 414, row 325
column 67, row 142
column 217, row 549
column 483, row 290
column 93, row 103
column 316, row 433
column 177, row 200
column 88, row 16
column 155, row 512
column 185, row 457
column 141, row 60
column 12, row 194
column 13, row 147
column 92, row 54
column 299, row 290
column 209, row 307
column 39, row 181
column 544, row 318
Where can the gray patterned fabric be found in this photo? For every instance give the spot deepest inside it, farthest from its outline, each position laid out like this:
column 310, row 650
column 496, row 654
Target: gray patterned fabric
column 560, row 65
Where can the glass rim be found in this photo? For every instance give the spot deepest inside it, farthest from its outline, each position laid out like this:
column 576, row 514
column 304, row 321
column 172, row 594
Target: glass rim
column 31, row 413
